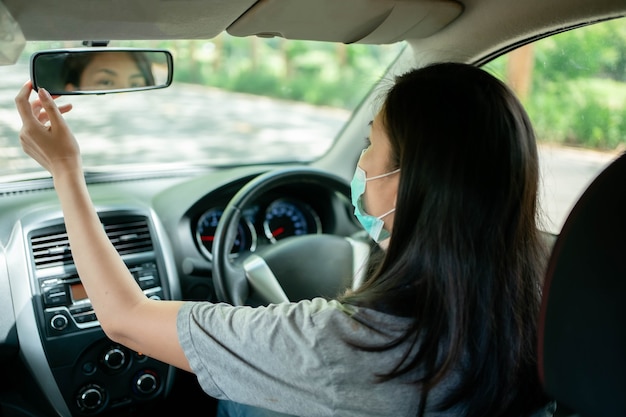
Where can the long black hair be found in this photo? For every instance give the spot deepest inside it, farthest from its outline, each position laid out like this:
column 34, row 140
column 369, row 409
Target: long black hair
column 466, row 257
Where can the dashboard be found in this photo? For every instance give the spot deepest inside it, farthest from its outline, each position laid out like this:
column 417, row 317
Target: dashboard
column 164, row 227
column 269, row 222
column 293, row 209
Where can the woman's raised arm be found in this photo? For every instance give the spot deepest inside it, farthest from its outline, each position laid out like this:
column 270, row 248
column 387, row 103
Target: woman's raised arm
column 127, row 316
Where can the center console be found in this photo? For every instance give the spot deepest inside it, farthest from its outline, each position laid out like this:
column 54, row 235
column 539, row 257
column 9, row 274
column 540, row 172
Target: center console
column 93, row 374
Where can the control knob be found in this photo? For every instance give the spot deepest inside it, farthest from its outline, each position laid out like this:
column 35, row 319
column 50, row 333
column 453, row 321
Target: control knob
column 114, row 358
column 58, row 322
column 91, row 397
column 146, row 383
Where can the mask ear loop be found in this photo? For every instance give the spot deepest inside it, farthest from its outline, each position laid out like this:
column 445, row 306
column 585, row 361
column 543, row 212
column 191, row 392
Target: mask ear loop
column 382, row 216
column 381, row 175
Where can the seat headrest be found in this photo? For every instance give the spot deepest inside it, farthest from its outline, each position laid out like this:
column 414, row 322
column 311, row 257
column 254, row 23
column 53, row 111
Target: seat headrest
column 582, row 326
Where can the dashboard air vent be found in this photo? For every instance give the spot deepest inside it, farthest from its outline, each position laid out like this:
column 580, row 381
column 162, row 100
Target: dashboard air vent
column 127, row 235
column 131, row 237
column 51, row 250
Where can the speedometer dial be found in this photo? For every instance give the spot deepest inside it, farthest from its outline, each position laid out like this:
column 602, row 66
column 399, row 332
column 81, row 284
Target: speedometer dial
column 287, row 217
column 205, row 233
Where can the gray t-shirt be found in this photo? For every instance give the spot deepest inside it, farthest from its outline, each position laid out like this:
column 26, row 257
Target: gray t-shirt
column 296, row 358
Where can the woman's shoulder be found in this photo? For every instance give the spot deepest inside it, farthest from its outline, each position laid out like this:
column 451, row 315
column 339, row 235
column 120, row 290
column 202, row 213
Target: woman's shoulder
column 332, row 308
column 317, row 314
column 354, row 322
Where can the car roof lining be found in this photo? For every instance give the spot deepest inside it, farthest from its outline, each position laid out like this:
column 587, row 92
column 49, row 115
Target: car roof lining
column 487, row 27
column 512, row 46
column 365, row 21
column 124, row 19
column 499, row 25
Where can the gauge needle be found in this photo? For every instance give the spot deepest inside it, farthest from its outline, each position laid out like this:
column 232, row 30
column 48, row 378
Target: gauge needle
column 278, row 231
column 207, row 238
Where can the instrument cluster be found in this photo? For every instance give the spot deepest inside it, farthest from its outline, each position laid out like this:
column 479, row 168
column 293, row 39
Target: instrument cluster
column 261, row 223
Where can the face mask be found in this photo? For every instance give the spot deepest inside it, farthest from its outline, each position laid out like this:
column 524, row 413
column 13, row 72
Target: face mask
column 373, row 225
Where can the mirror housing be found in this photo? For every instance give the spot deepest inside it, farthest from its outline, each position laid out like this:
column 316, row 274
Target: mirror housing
column 101, row 70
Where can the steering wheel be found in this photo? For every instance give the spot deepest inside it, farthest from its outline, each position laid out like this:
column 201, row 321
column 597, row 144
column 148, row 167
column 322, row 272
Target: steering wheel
column 294, row 268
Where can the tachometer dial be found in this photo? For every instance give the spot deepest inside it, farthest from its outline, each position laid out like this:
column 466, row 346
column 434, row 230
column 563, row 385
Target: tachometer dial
column 286, row 217
column 205, row 233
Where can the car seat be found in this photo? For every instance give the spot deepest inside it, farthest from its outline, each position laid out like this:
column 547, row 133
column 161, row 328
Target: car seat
column 582, row 325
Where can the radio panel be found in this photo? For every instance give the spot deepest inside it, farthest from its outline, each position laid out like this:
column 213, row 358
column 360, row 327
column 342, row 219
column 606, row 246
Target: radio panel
column 67, row 309
column 92, row 373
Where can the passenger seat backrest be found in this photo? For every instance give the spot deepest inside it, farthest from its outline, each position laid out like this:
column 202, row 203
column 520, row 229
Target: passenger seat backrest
column 582, row 326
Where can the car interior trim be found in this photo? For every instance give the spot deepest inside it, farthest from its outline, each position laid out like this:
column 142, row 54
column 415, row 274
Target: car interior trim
column 8, row 334
column 26, row 322
column 360, row 256
column 263, row 280
column 36, row 342
column 367, row 21
column 139, row 19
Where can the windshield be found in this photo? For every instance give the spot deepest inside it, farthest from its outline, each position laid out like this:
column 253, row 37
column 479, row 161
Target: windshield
column 233, row 101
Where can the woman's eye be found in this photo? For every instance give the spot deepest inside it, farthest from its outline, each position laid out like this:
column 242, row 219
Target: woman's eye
column 137, row 82
column 105, row 83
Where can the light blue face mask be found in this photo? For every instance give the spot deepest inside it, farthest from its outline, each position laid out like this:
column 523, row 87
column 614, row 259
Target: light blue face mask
column 373, row 225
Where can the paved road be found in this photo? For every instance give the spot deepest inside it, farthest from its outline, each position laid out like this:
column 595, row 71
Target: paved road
column 226, row 123
column 178, row 123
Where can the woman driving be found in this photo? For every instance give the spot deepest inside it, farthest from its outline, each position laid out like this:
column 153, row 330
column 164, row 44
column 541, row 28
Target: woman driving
column 443, row 325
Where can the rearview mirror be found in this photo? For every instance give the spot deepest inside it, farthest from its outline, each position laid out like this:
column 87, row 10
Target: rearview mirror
column 100, row 70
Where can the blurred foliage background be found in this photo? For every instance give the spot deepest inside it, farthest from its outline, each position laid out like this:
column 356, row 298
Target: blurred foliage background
column 573, row 84
column 325, row 74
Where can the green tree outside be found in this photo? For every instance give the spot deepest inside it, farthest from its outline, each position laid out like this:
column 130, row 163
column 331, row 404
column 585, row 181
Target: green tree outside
column 578, row 89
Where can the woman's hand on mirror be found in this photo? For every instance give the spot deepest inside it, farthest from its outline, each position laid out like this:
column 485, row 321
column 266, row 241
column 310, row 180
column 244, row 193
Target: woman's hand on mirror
column 45, row 136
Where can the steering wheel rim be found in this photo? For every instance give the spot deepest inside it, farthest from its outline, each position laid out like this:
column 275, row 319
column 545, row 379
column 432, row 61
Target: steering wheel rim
column 230, row 279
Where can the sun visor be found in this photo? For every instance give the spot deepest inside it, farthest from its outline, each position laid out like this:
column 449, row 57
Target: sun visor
column 91, row 20
column 347, row 21
column 12, row 40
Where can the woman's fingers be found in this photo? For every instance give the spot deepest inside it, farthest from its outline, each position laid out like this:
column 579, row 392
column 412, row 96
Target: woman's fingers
column 44, row 135
column 65, row 108
column 38, row 111
column 23, row 105
column 51, row 109
column 36, row 107
column 42, row 114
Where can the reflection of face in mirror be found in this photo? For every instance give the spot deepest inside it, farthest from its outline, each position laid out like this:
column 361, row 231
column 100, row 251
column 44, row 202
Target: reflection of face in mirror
column 107, row 71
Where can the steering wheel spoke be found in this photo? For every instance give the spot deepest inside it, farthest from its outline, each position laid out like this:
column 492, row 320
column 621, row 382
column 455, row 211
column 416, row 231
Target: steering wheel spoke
column 263, row 280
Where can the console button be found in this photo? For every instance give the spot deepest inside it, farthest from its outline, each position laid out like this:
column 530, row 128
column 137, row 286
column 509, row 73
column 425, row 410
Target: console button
column 58, row 322
column 114, row 358
column 146, row 280
column 146, row 383
column 85, row 317
column 91, row 398
column 55, row 296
